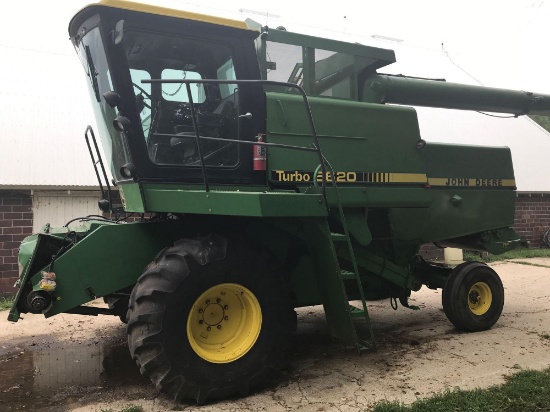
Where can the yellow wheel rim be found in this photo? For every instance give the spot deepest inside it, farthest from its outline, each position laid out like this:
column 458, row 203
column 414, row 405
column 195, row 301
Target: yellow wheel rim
column 480, row 298
column 224, row 323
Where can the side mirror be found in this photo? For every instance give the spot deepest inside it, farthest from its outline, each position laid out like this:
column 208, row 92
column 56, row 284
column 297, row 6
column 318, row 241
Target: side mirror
column 119, row 32
column 104, row 205
column 112, row 98
column 121, row 124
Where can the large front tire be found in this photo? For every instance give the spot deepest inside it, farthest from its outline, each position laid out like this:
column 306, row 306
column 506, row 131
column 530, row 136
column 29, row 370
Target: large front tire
column 205, row 323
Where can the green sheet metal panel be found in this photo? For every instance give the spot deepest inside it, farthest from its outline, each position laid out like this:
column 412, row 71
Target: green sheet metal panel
column 108, row 259
column 132, row 200
column 233, row 203
column 477, row 211
column 451, row 161
column 353, row 136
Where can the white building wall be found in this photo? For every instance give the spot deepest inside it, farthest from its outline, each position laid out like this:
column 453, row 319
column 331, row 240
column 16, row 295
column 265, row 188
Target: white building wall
column 58, row 208
column 45, row 110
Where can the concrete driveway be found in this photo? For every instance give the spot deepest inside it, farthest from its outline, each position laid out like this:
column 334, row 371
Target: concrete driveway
column 82, row 364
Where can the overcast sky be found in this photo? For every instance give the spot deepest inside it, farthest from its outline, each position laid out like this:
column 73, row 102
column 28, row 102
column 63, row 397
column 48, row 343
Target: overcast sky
column 501, row 43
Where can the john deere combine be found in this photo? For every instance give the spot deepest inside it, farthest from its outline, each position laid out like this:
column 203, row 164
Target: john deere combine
column 271, row 173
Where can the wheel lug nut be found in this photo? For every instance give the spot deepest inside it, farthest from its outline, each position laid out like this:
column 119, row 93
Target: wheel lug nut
column 219, row 326
column 209, row 329
column 225, row 307
column 200, row 310
column 218, row 300
column 208, row 301
column 201, row 322
column 226, row 317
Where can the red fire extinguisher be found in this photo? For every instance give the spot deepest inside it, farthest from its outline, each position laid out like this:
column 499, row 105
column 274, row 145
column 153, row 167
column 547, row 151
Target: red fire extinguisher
column 259, row 154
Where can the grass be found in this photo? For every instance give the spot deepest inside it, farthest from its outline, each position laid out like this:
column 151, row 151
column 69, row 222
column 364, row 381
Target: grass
column 513, row 254
column 5, row 303
column 527, row 391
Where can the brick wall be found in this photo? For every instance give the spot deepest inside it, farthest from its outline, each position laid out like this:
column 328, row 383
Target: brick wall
column 15, row 224
column 532, row 217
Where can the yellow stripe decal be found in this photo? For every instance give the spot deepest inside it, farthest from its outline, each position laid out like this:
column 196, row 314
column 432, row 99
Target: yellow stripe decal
column 348, row 177
column 408, row 178
column 305, row 176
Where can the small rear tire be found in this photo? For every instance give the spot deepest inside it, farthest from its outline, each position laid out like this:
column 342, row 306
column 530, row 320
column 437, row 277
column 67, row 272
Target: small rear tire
column 473, row 297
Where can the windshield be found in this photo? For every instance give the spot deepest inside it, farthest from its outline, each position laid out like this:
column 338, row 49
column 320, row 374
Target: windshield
column 165, row 108
column 95, row 64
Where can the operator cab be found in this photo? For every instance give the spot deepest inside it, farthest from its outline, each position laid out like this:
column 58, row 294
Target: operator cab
column 147, row 129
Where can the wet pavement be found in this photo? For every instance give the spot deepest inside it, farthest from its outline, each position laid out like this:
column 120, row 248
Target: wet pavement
column 35, row 377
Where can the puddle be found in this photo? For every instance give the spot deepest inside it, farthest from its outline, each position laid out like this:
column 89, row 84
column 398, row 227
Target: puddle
column 33, row 377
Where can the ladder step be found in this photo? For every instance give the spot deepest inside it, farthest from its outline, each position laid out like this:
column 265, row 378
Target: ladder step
column 356, row 312
column 338, row 237
column 347, row 275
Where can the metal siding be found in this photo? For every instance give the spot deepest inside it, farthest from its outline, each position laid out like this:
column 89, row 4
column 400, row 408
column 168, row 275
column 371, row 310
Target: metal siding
column 58, row 209
column 45, row 110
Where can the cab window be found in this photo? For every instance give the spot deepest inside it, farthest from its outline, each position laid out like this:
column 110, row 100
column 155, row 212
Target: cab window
column 169, row 132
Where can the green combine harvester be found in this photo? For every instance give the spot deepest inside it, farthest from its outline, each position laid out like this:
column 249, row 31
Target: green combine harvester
column 270, row 173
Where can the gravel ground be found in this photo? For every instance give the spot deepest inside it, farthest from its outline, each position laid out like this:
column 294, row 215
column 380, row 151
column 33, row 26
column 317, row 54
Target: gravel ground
column 78, row 363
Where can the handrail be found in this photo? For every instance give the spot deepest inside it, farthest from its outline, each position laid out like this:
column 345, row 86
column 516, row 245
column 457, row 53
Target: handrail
column 100, row 162
column 245, row 142
column 188, row 82
column 197, row 136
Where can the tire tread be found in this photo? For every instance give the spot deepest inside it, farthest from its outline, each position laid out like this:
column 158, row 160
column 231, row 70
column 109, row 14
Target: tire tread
column 147, row 306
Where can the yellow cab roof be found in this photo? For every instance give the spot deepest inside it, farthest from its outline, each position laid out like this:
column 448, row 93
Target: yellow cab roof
column 165, row 11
